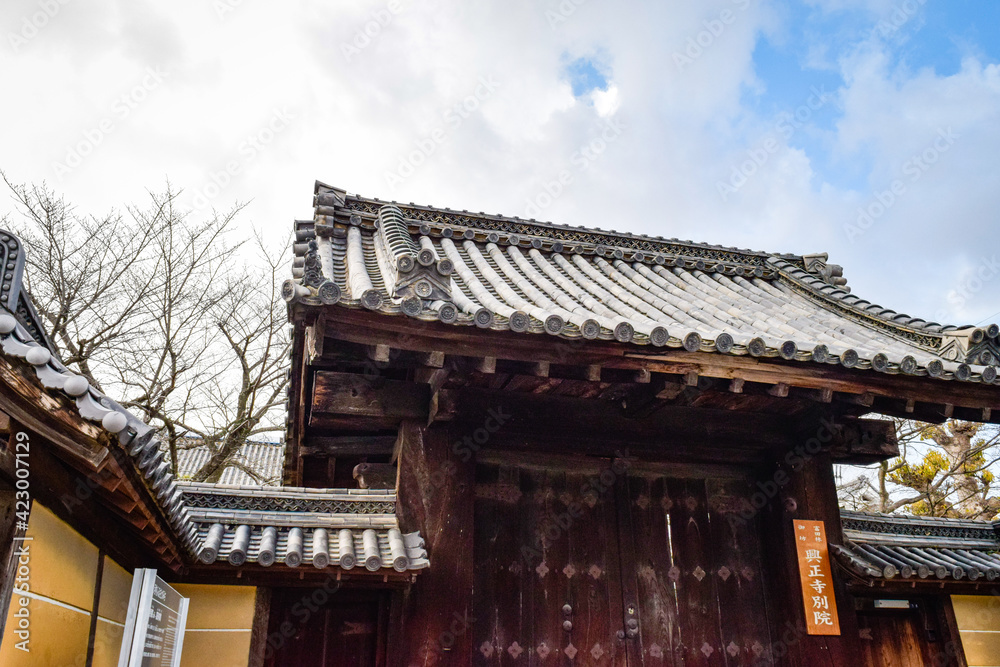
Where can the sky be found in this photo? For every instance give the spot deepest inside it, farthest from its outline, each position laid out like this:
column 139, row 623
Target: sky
column 868, row 129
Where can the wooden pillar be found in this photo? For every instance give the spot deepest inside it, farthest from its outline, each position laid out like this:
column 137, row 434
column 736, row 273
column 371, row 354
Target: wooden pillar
column 436, row 494
column 804, row 488
column 258, row 632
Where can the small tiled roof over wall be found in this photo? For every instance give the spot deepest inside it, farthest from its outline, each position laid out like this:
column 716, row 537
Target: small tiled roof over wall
column 222, row 523
column 265, row 459
column 886, row 547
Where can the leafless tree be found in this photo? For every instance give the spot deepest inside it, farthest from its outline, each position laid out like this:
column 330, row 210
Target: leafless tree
column 173, row 314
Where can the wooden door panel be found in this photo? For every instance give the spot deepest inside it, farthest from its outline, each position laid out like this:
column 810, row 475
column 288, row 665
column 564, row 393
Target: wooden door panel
column 737, row 571
column 545, row 540
column 649, row 578
column 698, row 599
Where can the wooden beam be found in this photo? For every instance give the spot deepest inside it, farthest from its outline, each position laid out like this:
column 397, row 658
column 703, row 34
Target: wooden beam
column 949, row 410
column 865, row 399
column 594, row 373
column 780, row 390
column 364, row 327
column 315, row 335
column 670, row 391
column 736, row 385
column 443, row 407
column 691, row 379
column 364, row 396
column 348, row 445
column 540, row 369
column 432, row 359
column 379, row 353
column 487, row 365
column 823, row 395
column 642, row 376
column 432, row 377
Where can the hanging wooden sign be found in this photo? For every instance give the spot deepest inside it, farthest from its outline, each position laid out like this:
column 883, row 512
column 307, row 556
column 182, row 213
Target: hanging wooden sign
column 815, row 575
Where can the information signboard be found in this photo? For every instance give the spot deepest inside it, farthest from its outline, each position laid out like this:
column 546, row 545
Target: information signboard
column 154, row 627
column 814, row 574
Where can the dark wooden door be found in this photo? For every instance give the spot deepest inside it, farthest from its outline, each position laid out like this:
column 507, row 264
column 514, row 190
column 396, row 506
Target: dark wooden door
column 308, row 628
column 911, row 637
column 691, row 572
column 547, row 578
column 586, row 565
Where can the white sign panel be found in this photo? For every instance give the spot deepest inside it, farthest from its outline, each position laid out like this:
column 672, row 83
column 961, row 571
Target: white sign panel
column 154, row 628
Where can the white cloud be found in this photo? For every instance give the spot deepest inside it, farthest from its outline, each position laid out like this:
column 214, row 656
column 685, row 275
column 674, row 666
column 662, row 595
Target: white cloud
column 366, row 85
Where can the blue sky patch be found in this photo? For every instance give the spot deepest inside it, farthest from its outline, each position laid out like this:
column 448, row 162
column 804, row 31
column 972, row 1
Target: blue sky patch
column 585, row 75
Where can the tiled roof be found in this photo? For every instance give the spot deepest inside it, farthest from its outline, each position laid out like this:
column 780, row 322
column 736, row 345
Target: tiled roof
column 882, row 546
column 232, row 524
column 509, row 274
column 340, row 527
column 264, row 458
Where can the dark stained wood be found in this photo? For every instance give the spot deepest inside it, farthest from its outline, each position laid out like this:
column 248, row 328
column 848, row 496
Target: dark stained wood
column 912, row 637
column 348, row 445
column 738, row 572
column 808, row 491
column 435, row 496
column 95, row 606
column 258, row 632
column 24, row 400
column 648, row 579
column 547, row 577
column 366, row 328
column 325, row 626
column 361, row 396
column 696, row 590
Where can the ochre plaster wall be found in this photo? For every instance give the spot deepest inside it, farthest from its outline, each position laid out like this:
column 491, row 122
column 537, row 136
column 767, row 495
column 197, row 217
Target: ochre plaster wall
column 978, row 618
column 219, row 622
column 63, row 570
